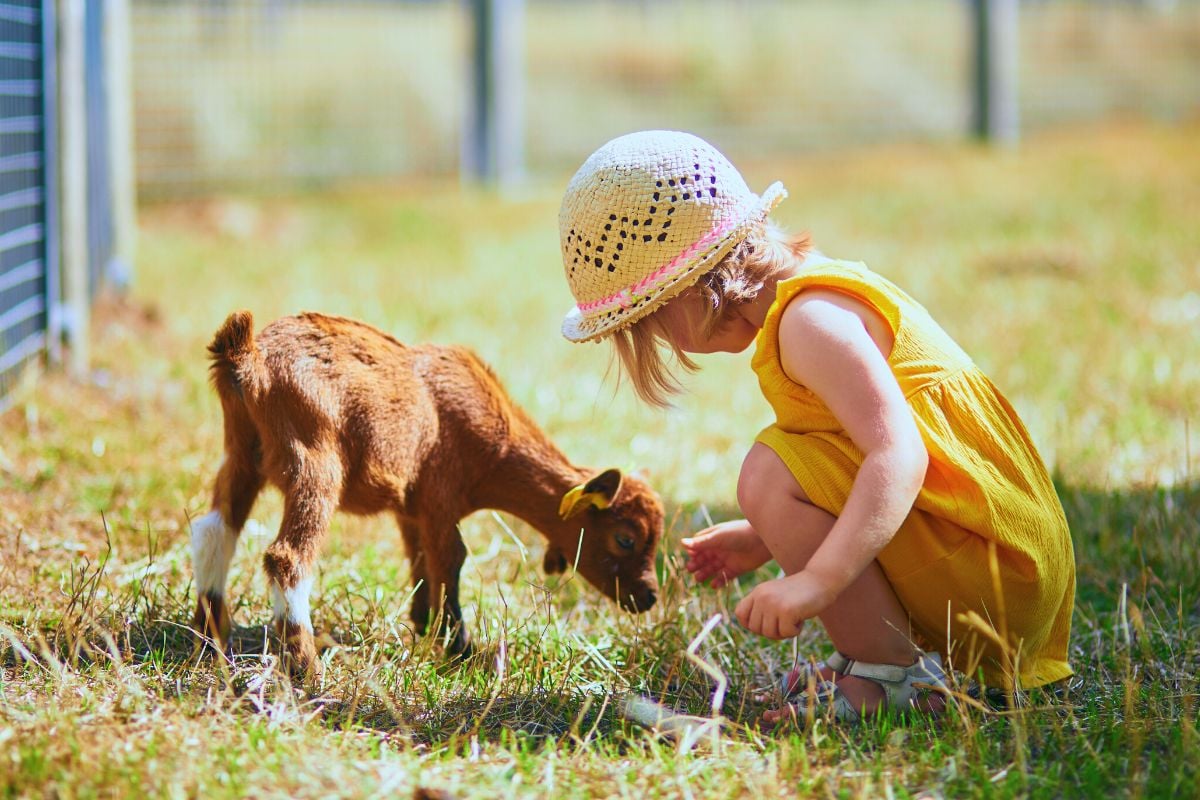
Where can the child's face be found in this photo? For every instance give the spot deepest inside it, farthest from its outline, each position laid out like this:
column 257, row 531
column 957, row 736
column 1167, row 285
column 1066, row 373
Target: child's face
column 683, row 320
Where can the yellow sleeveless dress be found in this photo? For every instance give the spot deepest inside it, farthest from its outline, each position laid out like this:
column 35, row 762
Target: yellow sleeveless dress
column 985, row 555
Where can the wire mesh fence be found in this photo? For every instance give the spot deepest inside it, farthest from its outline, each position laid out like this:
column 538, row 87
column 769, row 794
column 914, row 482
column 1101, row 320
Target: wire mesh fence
column 271, row 93
column 247, row 91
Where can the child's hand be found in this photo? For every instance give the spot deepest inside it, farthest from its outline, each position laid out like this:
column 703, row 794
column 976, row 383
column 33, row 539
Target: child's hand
column 777, row 609
column 724, row 552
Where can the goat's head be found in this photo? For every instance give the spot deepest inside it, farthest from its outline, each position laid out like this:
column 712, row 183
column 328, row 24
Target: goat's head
column 620, row 522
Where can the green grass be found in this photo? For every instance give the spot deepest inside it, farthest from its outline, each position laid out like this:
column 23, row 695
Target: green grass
column 1069, row 269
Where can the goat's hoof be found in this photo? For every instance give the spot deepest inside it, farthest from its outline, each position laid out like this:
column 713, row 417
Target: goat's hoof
column 325, row 641
column 300, row 657
column 212, row 625
column 424, row 793
column 460, row 650
column 205, row 646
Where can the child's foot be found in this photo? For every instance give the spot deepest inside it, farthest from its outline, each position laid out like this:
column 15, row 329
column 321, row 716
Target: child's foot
column 797, row 679
column 855, row 695
column 864, row 695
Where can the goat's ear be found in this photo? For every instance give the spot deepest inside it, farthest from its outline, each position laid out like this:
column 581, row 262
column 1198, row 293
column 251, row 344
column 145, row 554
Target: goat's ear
column 598, row 492
column 554, row 562
column 606, row 485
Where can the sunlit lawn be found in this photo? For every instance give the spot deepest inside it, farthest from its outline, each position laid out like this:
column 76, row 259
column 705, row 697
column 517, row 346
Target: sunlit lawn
column 1069, row 269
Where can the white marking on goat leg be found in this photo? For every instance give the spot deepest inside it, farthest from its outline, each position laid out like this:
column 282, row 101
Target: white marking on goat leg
column 213, row 543
column 292, row 604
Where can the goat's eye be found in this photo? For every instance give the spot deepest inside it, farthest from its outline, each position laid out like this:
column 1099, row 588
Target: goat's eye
column 624, row 542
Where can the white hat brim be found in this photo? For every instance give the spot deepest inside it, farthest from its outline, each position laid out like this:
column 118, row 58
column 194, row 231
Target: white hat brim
column 578, row 327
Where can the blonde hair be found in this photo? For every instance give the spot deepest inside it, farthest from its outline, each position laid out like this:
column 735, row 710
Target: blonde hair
column 644, row 349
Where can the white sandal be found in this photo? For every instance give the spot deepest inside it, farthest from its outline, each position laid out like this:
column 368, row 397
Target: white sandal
column 800, row 676
column 902, row 686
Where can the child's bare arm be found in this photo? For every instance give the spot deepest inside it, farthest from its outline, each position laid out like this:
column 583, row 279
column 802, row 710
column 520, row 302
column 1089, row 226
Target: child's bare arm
column 826, row 344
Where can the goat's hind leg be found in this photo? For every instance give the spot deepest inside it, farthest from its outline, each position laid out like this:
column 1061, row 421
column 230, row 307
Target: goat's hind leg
column 290, row 561
column 214, row 539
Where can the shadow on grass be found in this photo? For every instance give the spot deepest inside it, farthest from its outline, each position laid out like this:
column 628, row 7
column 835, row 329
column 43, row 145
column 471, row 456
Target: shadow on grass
column 1144, row 542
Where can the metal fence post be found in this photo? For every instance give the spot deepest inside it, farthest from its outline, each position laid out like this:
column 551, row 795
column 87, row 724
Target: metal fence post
column 50, row 170
column 994, row 75
column 118, row 55
column 73, row 182
column 493, row 140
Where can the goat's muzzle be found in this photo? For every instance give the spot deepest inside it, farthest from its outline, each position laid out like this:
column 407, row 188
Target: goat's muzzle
column 639, row 600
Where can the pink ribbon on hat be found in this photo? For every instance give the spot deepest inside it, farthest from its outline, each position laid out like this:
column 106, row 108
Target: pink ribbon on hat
column 624, row 297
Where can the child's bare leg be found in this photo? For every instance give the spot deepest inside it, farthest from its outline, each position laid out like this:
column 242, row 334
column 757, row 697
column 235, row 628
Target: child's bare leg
column 866, row 622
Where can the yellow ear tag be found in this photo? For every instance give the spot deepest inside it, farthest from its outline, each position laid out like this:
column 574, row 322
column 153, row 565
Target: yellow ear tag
column 577, row 500
column 570, row 502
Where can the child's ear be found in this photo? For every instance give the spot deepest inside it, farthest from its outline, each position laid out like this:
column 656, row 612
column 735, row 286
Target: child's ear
column 554, row 562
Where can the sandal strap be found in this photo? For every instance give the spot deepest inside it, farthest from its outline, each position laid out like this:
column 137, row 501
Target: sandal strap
column 880, row 673
column 838, row 663
column 826, row 694
column 899, row 684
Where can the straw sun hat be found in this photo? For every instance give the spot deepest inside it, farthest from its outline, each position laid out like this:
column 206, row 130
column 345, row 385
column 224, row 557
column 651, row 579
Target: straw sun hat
column 643, row 219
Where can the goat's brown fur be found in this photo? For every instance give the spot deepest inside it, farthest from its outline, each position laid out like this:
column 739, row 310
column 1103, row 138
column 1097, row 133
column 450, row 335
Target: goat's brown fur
column 337, row 414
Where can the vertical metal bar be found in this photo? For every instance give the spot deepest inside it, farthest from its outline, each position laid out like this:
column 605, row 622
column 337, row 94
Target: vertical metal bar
column 95, row 102
column 493, row 142
column 509, row 91
column 1005, row 49
column 50, row 156
column 73, row 182
column 477, row 159
column 120, row 141
column 980, row 72
column 994, row 34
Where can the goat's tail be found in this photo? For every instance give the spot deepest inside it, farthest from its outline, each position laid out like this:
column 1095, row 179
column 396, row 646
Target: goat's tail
column 237, row 375
column 233, row 355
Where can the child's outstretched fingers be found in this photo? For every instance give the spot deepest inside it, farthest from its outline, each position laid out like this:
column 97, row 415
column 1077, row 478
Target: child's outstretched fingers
column 724, row 551
column 704, row 563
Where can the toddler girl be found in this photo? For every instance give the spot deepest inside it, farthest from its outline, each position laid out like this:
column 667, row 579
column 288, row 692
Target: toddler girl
column 897, row 489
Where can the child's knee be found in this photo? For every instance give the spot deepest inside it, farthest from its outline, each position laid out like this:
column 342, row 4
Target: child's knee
column 764, row 479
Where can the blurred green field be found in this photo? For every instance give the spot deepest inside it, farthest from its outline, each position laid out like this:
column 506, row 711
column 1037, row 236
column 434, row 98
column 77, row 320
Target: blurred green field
column 1069, row 269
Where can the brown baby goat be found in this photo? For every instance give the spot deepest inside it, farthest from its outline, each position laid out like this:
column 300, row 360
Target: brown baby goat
column 340, row 415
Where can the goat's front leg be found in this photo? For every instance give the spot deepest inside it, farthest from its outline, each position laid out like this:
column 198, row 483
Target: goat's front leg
column 214, row 538
column 290, row 561
column 444, row 552
column 410, row 531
